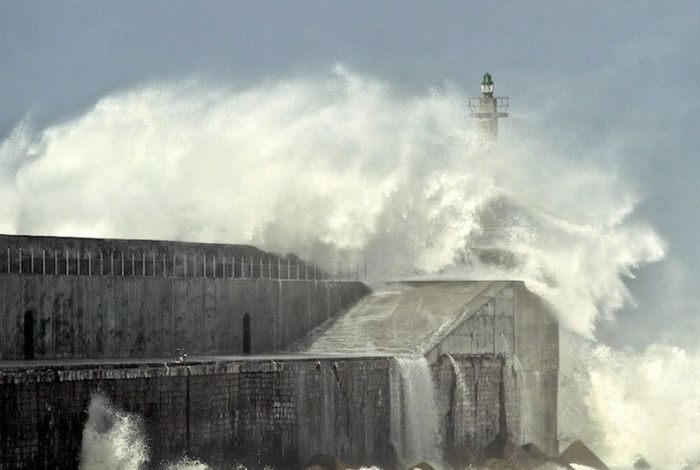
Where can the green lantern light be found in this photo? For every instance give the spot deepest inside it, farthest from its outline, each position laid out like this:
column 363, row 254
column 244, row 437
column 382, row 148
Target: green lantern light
column 487, row 84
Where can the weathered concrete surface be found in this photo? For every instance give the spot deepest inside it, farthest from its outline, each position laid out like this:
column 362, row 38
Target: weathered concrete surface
column 96, row 316
column 249, row 411
column 506, row 319
column 97, row 256
column 277, row 410
column 96, row 298
column 478, row 401
column 401, row 319
column 492, row 318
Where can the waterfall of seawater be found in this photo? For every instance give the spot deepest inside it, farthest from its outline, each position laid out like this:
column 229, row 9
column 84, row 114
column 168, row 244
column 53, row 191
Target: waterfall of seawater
column 415, row 426
column 461, row 397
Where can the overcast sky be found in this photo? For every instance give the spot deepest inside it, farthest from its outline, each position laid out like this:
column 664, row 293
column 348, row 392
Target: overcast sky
column 598, row 75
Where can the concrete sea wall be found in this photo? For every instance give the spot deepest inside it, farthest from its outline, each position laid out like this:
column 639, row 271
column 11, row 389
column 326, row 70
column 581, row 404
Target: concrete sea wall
column 256, row 411
column 100, row 317
column 508, row 320
column 479, row 401
column 94, row 298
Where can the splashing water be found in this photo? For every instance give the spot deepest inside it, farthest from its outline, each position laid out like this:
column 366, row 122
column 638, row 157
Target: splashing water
column 419, row 427
column 335, row 166
column 346, row 166
column 463, row 394
column 114, row 440
column 627, row 405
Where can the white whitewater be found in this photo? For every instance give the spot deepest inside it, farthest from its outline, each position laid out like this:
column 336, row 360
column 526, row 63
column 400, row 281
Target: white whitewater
column 418, row 429
column 461, row 392
column 114, row 440
column 345, row 165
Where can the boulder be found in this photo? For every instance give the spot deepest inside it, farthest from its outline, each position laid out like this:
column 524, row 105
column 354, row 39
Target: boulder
column 422, row 466
column 324, row 462
column 535, row 452
column 579, row 453
column 503, row 449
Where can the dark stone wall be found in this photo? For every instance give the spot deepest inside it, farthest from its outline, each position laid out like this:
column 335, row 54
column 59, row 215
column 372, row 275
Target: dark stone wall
column 478, row 409
column 255, row 412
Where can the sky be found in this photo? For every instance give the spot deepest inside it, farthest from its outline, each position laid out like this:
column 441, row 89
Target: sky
column 615, row 83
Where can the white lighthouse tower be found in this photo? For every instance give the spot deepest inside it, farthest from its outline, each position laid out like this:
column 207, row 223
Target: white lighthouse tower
column 487, row 109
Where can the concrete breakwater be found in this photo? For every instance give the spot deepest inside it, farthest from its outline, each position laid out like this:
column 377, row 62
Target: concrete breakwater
column 259, row 411
column 203, row 298
column 276, row 370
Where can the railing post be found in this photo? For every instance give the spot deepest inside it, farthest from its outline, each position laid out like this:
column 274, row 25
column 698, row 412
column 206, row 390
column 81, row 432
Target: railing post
column 20, row 260
column 233, row 267
column 153, row 263
column 8, row 259
column 121, row 255
column 279, row 268
column 67, row 263
column 44, row 261
column 143, row 264
column 89, row 264
column 31, row 254
column 102, row 264
column 269, row 268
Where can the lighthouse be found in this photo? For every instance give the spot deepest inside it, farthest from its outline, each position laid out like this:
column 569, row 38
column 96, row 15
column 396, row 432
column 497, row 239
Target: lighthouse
column 487, row 109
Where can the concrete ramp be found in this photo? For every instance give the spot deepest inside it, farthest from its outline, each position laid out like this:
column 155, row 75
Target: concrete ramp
column 407, row 317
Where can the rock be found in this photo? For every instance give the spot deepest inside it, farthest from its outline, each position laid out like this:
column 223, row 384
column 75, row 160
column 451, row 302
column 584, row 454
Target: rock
column 579, row 453
column 422, row 466
column 535, row 452
column 542, row 461
column 325, row 462
column 501, row 449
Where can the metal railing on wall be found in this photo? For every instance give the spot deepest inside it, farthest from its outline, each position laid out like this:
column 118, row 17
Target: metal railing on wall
column 132, row 264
